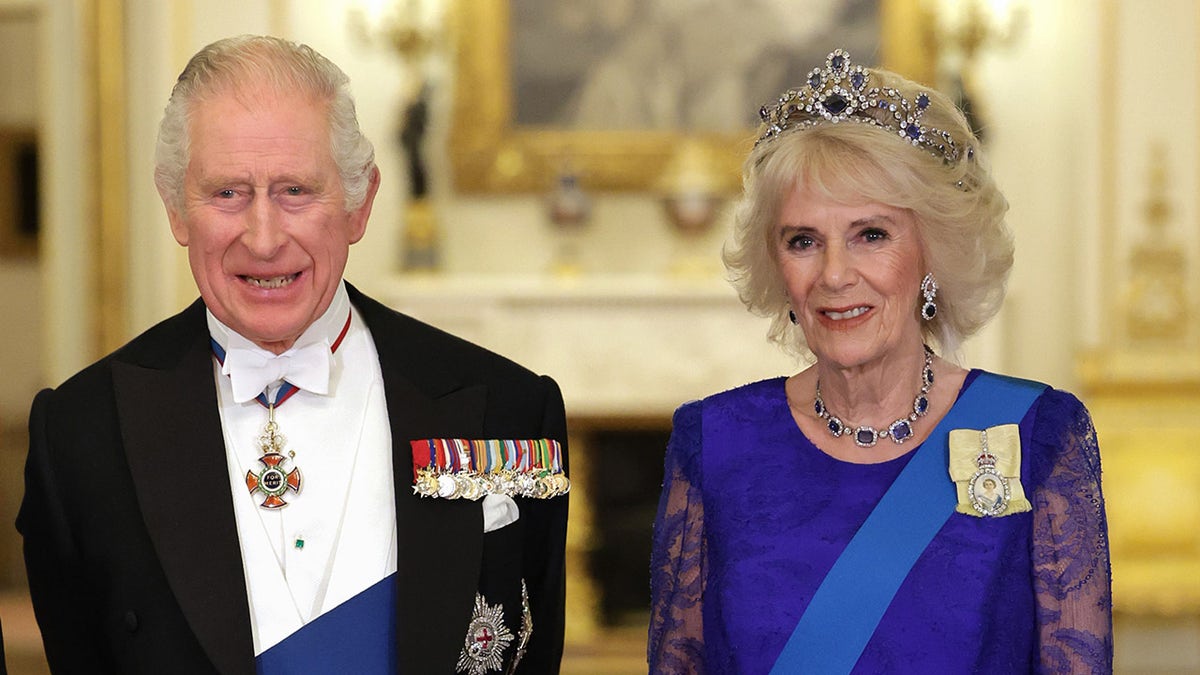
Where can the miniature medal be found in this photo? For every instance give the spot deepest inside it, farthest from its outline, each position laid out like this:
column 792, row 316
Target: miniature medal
column 426, row 483
column 487, row 638
column 273, row 480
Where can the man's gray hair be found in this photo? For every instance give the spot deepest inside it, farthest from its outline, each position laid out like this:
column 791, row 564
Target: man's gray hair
column 228, row 65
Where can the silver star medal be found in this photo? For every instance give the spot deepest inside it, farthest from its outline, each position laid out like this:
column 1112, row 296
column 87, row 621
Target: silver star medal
column 487, row 638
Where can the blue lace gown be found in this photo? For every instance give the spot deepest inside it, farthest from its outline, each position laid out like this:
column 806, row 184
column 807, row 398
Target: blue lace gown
column 745, row 535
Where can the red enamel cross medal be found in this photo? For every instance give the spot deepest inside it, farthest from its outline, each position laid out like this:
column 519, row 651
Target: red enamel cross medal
column 273, row 480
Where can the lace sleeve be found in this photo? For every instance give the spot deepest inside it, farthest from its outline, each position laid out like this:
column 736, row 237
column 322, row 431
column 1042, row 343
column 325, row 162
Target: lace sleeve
column 1072, row 572
column 677, row 562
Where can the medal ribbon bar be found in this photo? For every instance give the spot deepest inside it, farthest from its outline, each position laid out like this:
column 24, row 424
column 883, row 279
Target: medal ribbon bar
column 457, row 468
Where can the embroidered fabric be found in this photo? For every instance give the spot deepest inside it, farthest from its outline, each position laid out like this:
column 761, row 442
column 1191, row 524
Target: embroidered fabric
column 737, row 558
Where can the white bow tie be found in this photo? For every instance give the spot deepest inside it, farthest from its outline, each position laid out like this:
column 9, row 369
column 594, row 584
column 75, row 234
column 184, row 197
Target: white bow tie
column 251, row 371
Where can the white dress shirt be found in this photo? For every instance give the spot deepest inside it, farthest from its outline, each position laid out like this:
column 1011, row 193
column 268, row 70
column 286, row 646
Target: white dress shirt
column 337, row 536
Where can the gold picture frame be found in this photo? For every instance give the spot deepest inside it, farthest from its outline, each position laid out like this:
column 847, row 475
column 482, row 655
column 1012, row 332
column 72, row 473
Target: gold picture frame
column 491, row 155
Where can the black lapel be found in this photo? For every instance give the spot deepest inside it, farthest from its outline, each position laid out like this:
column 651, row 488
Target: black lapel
column 439, row 541
column 172, row 434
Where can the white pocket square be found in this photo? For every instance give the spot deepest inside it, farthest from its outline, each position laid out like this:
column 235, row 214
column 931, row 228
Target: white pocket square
column 498, row 511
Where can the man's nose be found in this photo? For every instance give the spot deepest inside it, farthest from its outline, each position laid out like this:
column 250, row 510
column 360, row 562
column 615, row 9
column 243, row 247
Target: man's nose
column 264, row 234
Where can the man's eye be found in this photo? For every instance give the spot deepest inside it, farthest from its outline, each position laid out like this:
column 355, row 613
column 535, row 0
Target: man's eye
column 227, row 194
column 295, row 190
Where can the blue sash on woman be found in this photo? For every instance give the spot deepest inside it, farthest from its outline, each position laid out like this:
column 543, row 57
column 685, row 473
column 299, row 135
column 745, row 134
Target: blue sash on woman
column 357, row 636
column 847, row 607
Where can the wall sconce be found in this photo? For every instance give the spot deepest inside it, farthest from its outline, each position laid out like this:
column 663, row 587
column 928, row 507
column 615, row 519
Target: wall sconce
column 963, row 29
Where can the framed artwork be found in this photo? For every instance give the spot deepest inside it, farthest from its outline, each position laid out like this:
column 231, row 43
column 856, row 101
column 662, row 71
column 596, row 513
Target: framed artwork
column 609, row 91
column 19, row 204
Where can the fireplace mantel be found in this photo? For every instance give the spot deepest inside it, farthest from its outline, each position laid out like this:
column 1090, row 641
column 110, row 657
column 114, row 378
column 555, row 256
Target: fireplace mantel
column 619, row 346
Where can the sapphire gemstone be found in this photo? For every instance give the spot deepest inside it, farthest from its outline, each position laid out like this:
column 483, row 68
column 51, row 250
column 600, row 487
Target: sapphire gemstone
column 865, row 436
column 835, row 104
column 837, row 62
column 858, row 80
column 900, row 430
column 913, row 131
column 922, row 405
column 922, row 101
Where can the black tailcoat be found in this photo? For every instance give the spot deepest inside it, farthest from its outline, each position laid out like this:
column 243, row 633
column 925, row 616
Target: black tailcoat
column 130, row 541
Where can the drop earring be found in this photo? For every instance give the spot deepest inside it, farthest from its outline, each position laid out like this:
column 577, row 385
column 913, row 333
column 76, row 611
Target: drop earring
column 929, row 290
column 792, row 317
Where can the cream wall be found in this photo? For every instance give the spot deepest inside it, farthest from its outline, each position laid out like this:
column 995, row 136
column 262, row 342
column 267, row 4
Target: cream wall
column 66, row 279
column 1043, row 98
column 1032, row 93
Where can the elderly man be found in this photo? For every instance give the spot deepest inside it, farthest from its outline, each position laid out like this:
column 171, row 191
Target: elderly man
column 287, row 476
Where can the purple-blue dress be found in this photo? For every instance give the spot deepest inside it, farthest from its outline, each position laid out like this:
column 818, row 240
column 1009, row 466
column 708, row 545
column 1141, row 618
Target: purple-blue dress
column 745, row 534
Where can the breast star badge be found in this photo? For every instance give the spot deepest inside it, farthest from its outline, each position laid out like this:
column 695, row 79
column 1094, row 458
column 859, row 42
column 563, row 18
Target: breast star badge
column 487, row 638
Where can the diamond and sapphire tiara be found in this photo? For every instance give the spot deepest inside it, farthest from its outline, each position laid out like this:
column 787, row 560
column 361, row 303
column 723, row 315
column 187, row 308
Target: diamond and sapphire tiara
column 840, row 92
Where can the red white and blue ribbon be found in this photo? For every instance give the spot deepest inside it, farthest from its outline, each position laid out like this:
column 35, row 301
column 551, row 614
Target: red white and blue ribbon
column 273, row 480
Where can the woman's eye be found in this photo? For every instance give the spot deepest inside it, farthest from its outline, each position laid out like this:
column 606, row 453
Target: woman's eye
column 874, row 234
column 801, row 241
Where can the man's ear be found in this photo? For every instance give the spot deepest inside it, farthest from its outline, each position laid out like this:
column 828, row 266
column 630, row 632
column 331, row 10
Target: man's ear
column 359, row 216
column 178, row 227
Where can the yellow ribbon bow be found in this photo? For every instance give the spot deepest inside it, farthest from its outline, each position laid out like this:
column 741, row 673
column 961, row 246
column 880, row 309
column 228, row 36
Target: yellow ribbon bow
column 986, row 469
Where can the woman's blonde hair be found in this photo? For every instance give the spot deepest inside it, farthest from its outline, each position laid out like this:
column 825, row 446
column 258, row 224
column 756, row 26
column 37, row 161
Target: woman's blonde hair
column 966, row 243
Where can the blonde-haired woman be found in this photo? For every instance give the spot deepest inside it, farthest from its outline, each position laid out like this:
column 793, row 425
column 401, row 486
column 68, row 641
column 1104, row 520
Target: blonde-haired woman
column 837, row 520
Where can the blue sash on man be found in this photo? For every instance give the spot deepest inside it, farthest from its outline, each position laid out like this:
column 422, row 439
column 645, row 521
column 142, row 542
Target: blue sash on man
column 829, row 639
column 358, row 636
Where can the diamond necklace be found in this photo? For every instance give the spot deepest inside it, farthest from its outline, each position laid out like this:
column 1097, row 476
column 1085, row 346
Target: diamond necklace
column 899, row 431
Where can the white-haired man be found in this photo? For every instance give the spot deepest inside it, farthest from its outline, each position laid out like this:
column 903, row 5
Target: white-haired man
column 288, row 476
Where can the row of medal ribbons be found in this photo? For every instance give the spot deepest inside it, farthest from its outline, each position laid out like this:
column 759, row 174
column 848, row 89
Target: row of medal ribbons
column 456, row 468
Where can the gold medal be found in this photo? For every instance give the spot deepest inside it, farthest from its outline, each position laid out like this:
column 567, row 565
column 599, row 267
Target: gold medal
column 426, row 484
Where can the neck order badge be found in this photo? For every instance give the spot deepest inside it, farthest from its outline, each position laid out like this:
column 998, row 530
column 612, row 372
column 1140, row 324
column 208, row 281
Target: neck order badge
column 274, row 480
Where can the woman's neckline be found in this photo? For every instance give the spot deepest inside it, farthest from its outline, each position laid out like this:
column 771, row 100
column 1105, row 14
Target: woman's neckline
column 968, row 379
